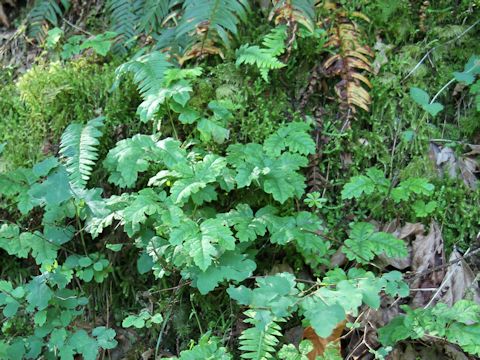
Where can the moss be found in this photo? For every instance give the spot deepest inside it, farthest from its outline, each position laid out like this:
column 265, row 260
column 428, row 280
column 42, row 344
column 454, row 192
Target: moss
column 47, row 98
column 254, row 120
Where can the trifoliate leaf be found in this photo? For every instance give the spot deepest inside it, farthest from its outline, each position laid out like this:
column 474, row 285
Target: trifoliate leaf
column 39, row 294
column 105, row 337
column 101, row 43
column 195, row 177
column 211, row 130
column 276, row 296
column 146, row 203
column 357, row 186
column 364, row 243
column 471, row 69
column 433, row 108
column 321, row 316
column 230, row 266
column 84, row 345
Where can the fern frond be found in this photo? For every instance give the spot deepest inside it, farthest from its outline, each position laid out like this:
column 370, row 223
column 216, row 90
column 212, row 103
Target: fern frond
column 210, row 22
column 42, row 13
column 350, row 62
column 257, row 343
column 148, row 73
column 124, row 19
column 264, row 58
column 153, row 13
column 78, row 147
column 275, row 40
column 294, row 11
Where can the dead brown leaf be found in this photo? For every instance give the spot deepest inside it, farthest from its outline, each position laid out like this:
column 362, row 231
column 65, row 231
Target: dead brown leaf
column 459, row 282
column 437, row 350
column 407, row 232
column 427, row 254
column 464, row 167
column 319, row 343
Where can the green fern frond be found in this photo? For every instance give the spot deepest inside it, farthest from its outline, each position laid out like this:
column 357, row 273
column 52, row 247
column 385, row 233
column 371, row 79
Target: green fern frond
column 264, row 58
column 275, row 40
column 152, row 14
column 124, row 19
column 43, row 12
column 148, row 73
column 257, row 343
column 79, row 148
column 221, row 16
column 209, row 22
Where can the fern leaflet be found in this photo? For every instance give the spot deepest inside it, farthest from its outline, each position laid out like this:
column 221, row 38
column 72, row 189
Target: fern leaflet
column 259, row 343
column 148, row 73
column 213, row 21
column 44, row 11
column 264, row 58
column 79, row 147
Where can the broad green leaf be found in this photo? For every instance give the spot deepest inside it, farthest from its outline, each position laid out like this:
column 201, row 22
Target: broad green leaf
column 411, row 186
column 357, row 186
column 202, row 251
column 105, row 337
column 39, row 294
column 423, row 209
column 84, row 345
column 419, row 96
column 321, row 316
column 471, row 69
column 43, row 251
column 211, row 130
column 195, row 177
column 11, row 308
column 146, row 203
column 114, row 247
column 129, row 158
column 101, row 43
column 188, row 116
column 44, row 167
column 433, row 109
column 54, row 190
column 230, row 266
column 276, row 296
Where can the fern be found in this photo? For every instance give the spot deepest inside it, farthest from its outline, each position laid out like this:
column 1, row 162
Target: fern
column 43, row 12
column 291, row 13
column 124, row 20
column 212, row 21
column 148, row 73
column 264, row 58
column 257, row 342
column 350, row 63
column 152, row 13
column 475, row 89
column 79, row 148
column 294, row 11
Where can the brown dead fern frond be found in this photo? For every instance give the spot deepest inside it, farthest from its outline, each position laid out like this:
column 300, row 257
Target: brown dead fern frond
column 351, row 61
